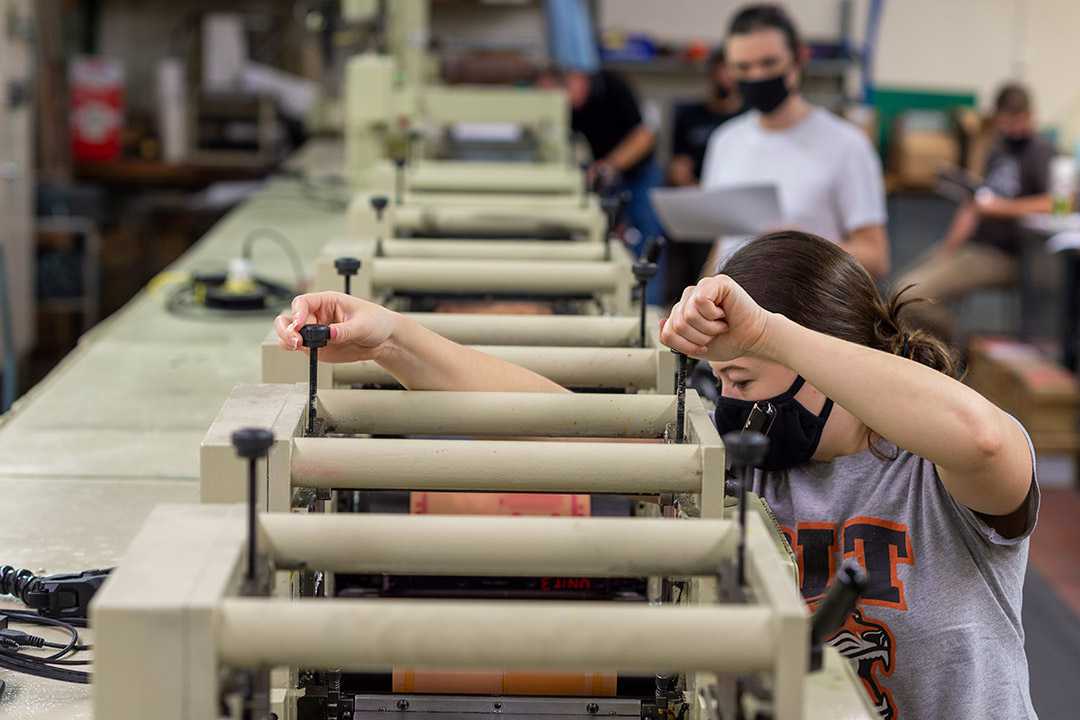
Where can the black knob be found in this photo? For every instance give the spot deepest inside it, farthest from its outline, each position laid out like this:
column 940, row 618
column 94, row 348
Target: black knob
column 655, row 249
column 400, row 162
column 610, row 205
column 379, row 202
column 839, row 602
column 347, row 266
column 644, row 272
column 315, row 336
column 745, row 449
column 252, row 443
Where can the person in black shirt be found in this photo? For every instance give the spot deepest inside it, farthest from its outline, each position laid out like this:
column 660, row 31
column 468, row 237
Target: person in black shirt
column 694, row 123
column 982, row 247
column 605, row 111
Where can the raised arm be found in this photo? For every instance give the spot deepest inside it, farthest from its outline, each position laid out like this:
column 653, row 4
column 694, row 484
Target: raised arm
column 981, row 455
column 417, row 357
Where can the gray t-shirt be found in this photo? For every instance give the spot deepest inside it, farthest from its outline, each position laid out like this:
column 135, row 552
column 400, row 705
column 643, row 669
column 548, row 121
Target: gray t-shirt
column 937, row 635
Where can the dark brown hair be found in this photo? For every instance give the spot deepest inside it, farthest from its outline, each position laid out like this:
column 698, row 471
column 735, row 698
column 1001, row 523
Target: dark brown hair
column 754, row 18
column 1012, row 99
column 820, row 286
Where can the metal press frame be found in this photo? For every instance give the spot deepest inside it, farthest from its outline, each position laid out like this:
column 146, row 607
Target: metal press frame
column 602, row 276
column 591, row 352
column 593, row 464
column 171, row 617
column 466, row 214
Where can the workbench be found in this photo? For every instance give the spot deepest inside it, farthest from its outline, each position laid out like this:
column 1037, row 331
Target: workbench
column 115, row 428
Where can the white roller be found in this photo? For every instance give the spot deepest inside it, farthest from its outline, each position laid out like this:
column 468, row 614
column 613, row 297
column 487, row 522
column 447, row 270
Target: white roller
column 492, row 249
column 457, row 275
column 400, row 412
column 375, row 634
column 583, row 367
column 444, row 544
column 509, row 466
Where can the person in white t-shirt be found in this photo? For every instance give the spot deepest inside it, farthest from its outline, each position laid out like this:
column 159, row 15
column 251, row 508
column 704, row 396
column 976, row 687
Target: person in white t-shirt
column 826, row 172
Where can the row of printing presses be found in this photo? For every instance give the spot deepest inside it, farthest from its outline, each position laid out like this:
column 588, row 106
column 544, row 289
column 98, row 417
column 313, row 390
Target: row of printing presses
column 362, row 551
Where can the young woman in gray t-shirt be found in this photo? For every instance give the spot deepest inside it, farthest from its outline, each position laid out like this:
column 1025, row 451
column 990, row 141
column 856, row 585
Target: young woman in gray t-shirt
column 877, row 452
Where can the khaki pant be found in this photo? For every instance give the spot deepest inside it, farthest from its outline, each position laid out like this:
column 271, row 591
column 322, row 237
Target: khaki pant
column 943, row 278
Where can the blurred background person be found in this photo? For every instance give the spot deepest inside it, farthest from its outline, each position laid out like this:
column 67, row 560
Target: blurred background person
column 827, row 174
column 982, row 246
column 606, row 112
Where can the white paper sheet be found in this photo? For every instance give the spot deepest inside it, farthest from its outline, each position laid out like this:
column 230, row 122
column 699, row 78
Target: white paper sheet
column 696, row 215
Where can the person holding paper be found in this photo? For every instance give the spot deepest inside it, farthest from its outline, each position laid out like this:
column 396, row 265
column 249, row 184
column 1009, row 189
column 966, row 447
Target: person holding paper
column 826, row 172
column 694, row 124
column 982, row 247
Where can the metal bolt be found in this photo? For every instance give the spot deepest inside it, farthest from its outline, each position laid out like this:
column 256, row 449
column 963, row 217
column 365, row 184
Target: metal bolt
column 402, row 704
column 497, row 707
column 314, row 337
column 592, row 708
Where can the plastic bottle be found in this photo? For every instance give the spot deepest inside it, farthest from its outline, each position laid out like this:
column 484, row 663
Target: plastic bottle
column 1063, row 184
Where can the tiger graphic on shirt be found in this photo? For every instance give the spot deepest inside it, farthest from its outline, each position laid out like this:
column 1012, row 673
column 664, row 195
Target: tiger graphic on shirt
column 879, row 546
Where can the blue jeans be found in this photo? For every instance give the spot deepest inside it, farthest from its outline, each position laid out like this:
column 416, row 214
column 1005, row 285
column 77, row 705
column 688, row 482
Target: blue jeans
column 641, row 216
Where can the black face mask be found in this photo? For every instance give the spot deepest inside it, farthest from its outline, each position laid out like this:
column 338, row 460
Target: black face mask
column 795, row 431
column 1016, row 144
column 764, row 95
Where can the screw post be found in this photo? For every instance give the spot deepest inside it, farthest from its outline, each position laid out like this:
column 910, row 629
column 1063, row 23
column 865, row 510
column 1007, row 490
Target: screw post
column 745, row 450
column 399, row 185
column 252, row 444
column 347, row 267
column 315, row 337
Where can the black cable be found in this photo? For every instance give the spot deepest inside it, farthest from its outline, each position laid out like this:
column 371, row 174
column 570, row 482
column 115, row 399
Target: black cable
column 182, row 302
column 283, row 242
column 47, row 666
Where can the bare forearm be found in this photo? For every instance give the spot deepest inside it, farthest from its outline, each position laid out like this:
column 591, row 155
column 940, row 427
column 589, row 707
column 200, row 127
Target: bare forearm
column 632, row 149
column 681, row 171
column 980, row 452
column 963, row 224
column 423, row 360
column 1015, row 208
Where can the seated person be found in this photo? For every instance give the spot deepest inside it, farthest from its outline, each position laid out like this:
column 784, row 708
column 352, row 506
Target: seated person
column 606, row 112
column 982, row 247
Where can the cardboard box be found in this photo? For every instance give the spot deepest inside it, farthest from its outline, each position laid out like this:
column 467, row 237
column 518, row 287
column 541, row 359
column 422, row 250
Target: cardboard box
column 978, row 136
column 917, row 153
column 1035, row 389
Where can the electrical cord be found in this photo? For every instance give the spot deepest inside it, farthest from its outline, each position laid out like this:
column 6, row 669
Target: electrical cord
column 53, row 667
column 184, row 301
column 313, row 194
column 198, row 295
column 282, row 242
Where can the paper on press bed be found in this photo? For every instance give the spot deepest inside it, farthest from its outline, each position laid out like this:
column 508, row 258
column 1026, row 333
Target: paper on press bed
column 694, row 214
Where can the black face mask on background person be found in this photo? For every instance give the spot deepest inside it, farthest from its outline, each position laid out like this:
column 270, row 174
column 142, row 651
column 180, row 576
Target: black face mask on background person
column 764, row 95
column 795, row 432
column 1016, row 144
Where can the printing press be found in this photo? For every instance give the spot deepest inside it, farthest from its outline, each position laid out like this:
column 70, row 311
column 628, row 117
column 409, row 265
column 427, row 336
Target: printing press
column 208, row 600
